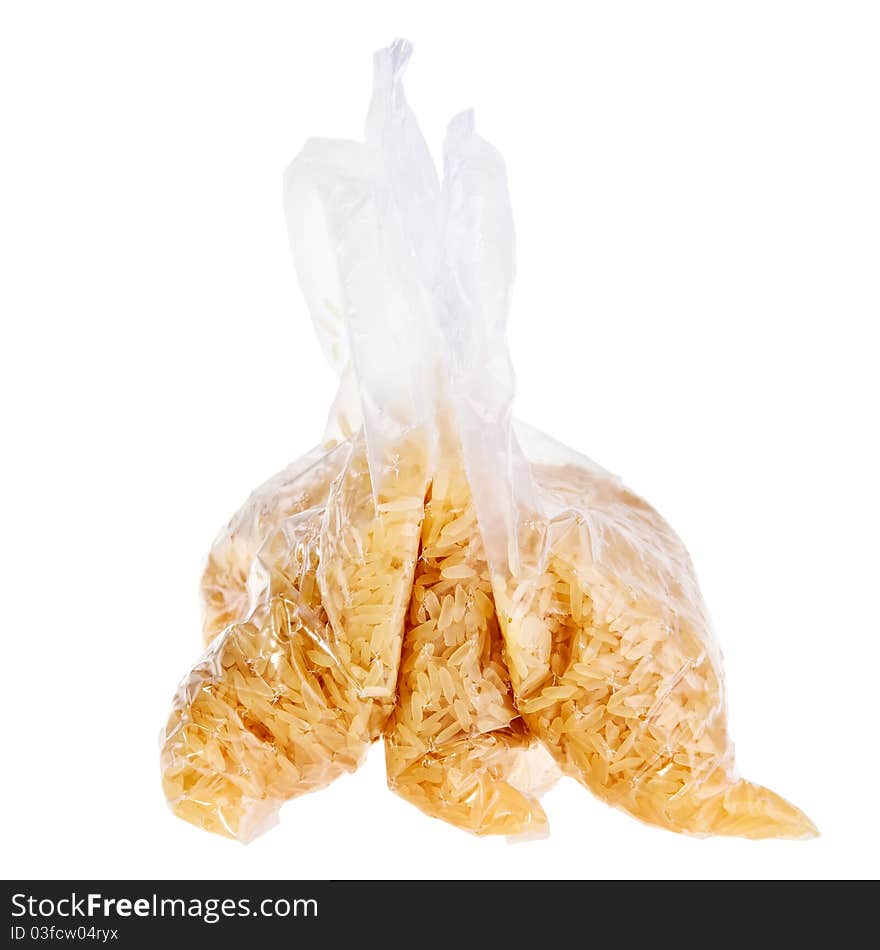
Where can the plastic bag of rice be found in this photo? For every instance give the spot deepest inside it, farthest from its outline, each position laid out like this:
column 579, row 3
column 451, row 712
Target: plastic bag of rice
column 235, row 572
column 307, row 589
column 291, row 696
column 456, row 747
column 483, row 597
column 607, row 640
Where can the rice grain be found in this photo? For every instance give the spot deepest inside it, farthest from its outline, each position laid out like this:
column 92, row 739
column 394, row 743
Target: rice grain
column 455, row 740
column 617, row 671
column 289, row 698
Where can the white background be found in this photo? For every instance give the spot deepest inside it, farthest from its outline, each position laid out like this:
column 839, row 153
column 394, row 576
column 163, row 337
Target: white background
column 697, row 205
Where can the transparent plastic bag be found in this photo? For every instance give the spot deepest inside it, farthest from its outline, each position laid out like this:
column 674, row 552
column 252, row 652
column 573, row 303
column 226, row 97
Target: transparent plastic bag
column 494, row 604
column 228, row 593
column 608, row 642
column 290, row 695
column 306, row 590
column 456, row 746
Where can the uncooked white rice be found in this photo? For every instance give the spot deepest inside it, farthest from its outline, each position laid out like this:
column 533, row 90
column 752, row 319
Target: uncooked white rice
column 285, row 701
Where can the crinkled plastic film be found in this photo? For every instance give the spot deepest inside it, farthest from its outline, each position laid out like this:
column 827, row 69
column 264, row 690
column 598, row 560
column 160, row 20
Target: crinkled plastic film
column 226, row 591
column 495, row 605
column 609, row 646
column 617, row 670
column 453, row 744
column 291, row 697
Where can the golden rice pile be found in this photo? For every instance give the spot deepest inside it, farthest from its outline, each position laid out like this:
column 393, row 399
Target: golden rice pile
column 604, row 632
column 453, row 742
column 613, row 667
column 286, row 700
column 302, row 486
